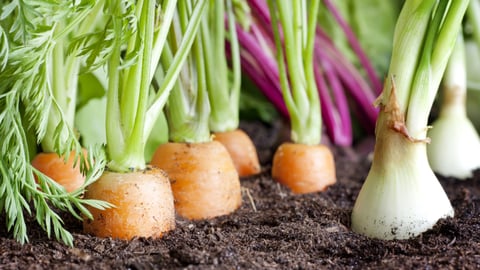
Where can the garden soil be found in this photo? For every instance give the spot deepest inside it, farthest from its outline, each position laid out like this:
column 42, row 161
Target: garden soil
column 273, row 229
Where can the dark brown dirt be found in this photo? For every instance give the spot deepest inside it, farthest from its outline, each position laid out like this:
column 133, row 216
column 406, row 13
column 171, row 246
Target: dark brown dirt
column 273, row 229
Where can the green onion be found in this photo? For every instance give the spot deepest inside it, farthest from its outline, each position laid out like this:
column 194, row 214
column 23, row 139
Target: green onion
column 455, row 141
column 401, row 196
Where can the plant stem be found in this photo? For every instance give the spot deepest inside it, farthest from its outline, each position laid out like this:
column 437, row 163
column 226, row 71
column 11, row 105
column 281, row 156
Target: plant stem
column 188, row 108
column 223, row 94
column 473, row 15
column 175, row 64
column 114, row 131
column 136, row 141
column 404, row 63
column 433, row 62
column 455, row 82
column 64, row 75
column 299, row 89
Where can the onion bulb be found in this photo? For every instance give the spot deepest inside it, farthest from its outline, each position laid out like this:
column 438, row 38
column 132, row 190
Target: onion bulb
column 455, row 145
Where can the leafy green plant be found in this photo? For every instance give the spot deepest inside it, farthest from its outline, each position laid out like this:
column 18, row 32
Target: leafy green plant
column 37, row 101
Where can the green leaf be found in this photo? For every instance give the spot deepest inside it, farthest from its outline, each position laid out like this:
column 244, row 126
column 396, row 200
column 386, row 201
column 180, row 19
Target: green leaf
column 90, row 122
column 253, row 104
column 90, row 87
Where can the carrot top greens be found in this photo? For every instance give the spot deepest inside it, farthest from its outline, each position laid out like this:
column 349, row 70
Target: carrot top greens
column 135, row 35
column 188, row 108
column 297, row 78
column 35, row 109
column 223, row 82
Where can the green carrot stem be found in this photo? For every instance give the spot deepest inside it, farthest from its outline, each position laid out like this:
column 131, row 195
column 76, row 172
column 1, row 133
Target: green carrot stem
column 65, row 70
column 58, row 91
column 161, row 34
column 136, row 141
column 223, row 91
column 235, row 55
column 174, row 64
column 314, row 119
column 188, row 109
column 114, row 134
column 297, row 80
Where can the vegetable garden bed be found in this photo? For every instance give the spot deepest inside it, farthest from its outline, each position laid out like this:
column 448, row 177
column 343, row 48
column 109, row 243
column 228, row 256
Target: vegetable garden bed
column 273, row 229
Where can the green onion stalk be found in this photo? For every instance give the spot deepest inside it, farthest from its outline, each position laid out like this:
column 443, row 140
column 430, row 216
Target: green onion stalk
column 38, row 90
column 472, row 26
column 401, row 196
column 455, row 144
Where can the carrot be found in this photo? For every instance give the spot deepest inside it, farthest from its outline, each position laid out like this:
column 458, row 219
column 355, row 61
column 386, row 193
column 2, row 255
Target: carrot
column 66, row 173
column 304, row 165
column 304, row 168
column 241, row 150
column 204, row 181
column 143, row 203
column 142, row 196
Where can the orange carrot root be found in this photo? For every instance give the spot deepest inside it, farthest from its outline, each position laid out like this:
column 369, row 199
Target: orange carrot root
column 143, row 205
column 204, row 181
column 241, row 149
column 64, row 173
column 304, row 168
